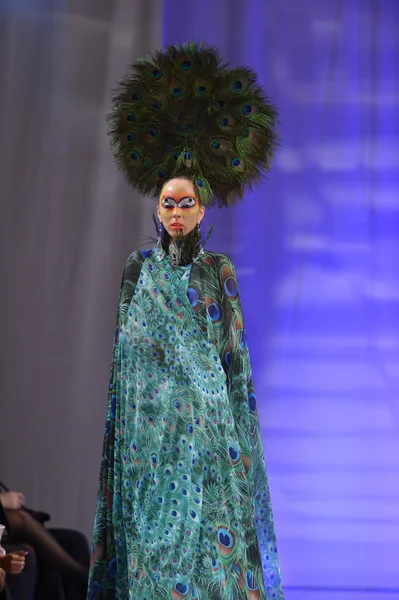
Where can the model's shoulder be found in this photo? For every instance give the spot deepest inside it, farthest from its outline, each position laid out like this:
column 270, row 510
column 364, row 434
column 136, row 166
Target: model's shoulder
column 218, row 259
column 134, row 263
column 138, row 256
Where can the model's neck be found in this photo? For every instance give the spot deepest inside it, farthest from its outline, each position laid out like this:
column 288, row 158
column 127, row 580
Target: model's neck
column 182, row 249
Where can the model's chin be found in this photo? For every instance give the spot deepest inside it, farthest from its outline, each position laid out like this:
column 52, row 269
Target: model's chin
column 175, row 232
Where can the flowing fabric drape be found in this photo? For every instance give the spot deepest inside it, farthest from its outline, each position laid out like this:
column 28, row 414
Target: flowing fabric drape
column 183, row 507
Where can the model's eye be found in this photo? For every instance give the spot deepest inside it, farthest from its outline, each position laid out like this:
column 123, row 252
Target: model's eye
column 168, row 203
column 187, row 202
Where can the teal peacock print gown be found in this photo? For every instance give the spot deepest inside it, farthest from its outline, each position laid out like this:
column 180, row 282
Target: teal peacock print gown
column 183, row 507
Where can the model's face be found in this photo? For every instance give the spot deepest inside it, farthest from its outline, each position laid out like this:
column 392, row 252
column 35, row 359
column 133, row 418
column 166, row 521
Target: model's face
column 178, row 208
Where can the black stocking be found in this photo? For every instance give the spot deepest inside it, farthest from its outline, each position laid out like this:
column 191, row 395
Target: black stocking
column 24, row 528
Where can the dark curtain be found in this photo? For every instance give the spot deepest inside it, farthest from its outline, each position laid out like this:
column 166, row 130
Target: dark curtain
column 68, row 222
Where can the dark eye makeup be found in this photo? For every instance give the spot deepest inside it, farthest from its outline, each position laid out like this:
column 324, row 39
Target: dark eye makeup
column 186, row 202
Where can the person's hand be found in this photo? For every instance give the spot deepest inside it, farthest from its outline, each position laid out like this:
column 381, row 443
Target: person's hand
column 12, row 500
column 2, row 580
column 13, row 563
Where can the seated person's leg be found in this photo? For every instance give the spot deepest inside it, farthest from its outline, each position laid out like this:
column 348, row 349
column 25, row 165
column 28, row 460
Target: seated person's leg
column 24, row 528
column 73, row 542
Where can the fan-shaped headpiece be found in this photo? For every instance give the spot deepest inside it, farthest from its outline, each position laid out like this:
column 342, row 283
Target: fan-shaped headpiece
column 181, row 113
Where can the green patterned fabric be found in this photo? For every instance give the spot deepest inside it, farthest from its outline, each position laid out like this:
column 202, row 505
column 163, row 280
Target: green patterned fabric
column 183, row 507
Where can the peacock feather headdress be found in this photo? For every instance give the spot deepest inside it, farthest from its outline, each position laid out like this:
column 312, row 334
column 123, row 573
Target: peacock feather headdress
column 182, row 113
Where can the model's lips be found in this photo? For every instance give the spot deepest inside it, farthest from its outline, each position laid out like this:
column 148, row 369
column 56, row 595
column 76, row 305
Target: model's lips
column 177, row 225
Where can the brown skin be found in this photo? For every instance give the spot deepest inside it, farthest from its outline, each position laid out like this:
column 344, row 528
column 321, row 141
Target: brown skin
column 2, row 580
column 180, row 219
column 13, row 563
column 12, row 500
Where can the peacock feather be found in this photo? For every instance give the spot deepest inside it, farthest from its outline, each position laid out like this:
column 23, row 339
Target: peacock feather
column 183, row 112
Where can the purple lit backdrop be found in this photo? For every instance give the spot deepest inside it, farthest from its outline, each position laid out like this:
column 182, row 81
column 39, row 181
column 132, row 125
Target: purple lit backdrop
column 316, row 249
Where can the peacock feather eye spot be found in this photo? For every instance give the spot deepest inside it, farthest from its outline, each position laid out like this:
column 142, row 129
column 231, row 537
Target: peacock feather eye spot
column 154, row 132
column 131, row 137
column 162, row 174
column 215, row 145
column 200, row 183
column 226, row 121
column 238, row 164
column 245, row 133
column 157, row 73
column 186, row 64
column 187, row 155
column 190, row 127
column 240, row 85
column 251, row 583
column 250, row 109
column 177, row 92
column 136, row 96
column 175, row 155
column 201, row 89
column 252, row 402
column 130, row 117
column 135, row 156
column 157, row 105
column 219, row 104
